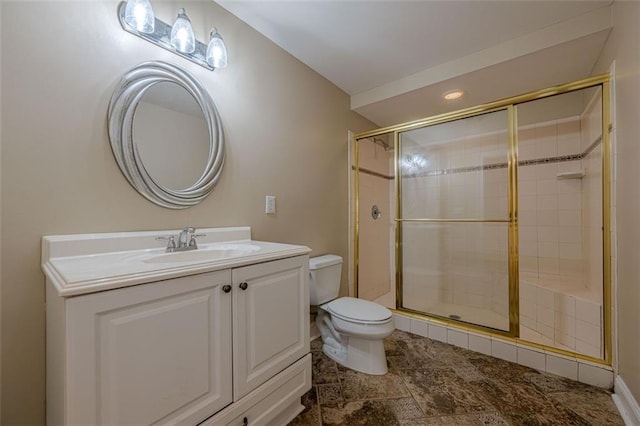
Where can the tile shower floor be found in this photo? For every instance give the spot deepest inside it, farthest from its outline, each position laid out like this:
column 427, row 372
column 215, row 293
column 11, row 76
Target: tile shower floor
column 433, row 383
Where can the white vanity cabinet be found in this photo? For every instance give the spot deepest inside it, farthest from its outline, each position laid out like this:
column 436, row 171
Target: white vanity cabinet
column 153, row 353
column 270, row 325
column 228, row 346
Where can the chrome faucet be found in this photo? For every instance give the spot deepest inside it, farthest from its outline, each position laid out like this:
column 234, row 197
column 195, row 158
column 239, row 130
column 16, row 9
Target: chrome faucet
column 183, row 241
column 186, row 240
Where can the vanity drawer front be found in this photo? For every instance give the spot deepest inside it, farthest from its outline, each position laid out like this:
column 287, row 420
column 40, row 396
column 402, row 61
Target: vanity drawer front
column 282, row 404
column 158, row 352
column 271, row 320
column 274, row 403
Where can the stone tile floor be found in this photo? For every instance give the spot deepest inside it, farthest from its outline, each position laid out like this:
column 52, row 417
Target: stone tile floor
column 433, row 383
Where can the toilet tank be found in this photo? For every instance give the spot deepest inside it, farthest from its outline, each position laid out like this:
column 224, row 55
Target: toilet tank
column 324, row 280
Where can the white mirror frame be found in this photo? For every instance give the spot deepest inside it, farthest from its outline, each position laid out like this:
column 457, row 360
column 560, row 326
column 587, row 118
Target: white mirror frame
column 126, row 96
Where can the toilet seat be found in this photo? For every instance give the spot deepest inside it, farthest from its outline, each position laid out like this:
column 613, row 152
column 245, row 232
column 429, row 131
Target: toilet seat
column 358, row 311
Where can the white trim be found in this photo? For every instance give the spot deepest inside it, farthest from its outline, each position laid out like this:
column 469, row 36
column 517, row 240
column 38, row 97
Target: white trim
column 314, row 331
column 626, row 403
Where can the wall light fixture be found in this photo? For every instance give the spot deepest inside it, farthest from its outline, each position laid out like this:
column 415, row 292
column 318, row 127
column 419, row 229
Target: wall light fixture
column 137, row 17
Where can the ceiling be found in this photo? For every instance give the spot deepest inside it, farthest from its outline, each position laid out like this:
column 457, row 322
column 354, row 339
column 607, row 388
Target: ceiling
column 396, row 58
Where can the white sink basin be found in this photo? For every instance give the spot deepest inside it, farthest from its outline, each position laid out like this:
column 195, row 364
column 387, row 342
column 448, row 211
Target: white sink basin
column 204, row 254
column 88, row 263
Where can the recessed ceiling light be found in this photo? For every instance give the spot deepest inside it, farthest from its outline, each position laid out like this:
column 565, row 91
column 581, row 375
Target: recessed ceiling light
column 453, row 94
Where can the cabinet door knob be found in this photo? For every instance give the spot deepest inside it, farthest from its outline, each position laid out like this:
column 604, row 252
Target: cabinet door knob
column 226, row 288
column 244, row 285
column 245, row 421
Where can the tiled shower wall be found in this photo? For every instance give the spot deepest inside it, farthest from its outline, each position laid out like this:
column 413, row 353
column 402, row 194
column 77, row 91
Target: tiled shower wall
column 567, row 320
column 592, row 199
column 560, row 231
column 375, row 256
column 461, row 264
column 550, row 209
column 561, row 218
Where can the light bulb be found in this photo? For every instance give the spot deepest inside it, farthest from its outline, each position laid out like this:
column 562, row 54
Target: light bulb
column 138, row 14
column 182, row 37
column 216, row 51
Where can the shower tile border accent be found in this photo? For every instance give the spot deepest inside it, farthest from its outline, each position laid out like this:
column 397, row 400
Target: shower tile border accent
column 372, row 173
column 566, row 366
column 592, row 146
column 495, row 166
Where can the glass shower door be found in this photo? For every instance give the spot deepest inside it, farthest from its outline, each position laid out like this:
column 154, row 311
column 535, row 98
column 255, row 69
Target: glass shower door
column 455, row 220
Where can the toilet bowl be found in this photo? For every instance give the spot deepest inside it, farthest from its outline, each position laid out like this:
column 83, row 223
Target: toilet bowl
column 352, row 330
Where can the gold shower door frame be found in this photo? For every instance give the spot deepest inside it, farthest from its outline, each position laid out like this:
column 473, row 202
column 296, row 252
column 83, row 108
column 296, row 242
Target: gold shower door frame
column 508, row 104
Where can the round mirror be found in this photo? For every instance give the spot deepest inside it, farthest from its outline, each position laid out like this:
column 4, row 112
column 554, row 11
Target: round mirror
column 166, row 135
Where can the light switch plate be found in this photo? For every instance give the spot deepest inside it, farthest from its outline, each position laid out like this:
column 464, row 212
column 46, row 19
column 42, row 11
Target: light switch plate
column 270, row 204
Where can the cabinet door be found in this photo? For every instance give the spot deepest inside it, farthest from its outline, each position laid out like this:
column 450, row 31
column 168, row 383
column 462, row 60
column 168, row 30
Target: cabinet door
column 271, row 320
column 153, row 353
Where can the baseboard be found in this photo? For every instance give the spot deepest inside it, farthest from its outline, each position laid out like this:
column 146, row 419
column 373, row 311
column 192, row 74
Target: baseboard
column 314, row 332
column 626, row 403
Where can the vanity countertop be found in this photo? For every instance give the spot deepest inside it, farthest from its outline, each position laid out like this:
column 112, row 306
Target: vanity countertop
column 87, row 263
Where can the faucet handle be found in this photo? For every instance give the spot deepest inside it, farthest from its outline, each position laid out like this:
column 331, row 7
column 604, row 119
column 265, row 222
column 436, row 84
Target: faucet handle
column 192, row 241
column 171, row 242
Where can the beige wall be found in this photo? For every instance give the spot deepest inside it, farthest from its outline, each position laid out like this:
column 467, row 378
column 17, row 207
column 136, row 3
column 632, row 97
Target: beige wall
column 1, row 86
column 286, row 131
column 622, row 46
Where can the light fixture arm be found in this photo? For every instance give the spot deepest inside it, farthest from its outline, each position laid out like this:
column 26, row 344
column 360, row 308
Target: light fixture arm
column 161, row 36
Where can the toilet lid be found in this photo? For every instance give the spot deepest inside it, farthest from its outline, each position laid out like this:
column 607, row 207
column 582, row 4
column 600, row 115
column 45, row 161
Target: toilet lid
column 354, row 309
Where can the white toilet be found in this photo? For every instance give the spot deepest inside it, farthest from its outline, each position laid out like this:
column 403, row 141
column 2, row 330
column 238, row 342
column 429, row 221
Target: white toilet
column 352, row 329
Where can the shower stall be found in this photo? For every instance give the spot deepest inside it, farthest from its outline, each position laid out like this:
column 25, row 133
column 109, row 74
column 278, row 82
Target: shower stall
column 494, row 218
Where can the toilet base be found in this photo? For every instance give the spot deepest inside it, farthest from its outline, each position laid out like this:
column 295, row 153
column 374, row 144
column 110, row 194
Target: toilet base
column 363, row 355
